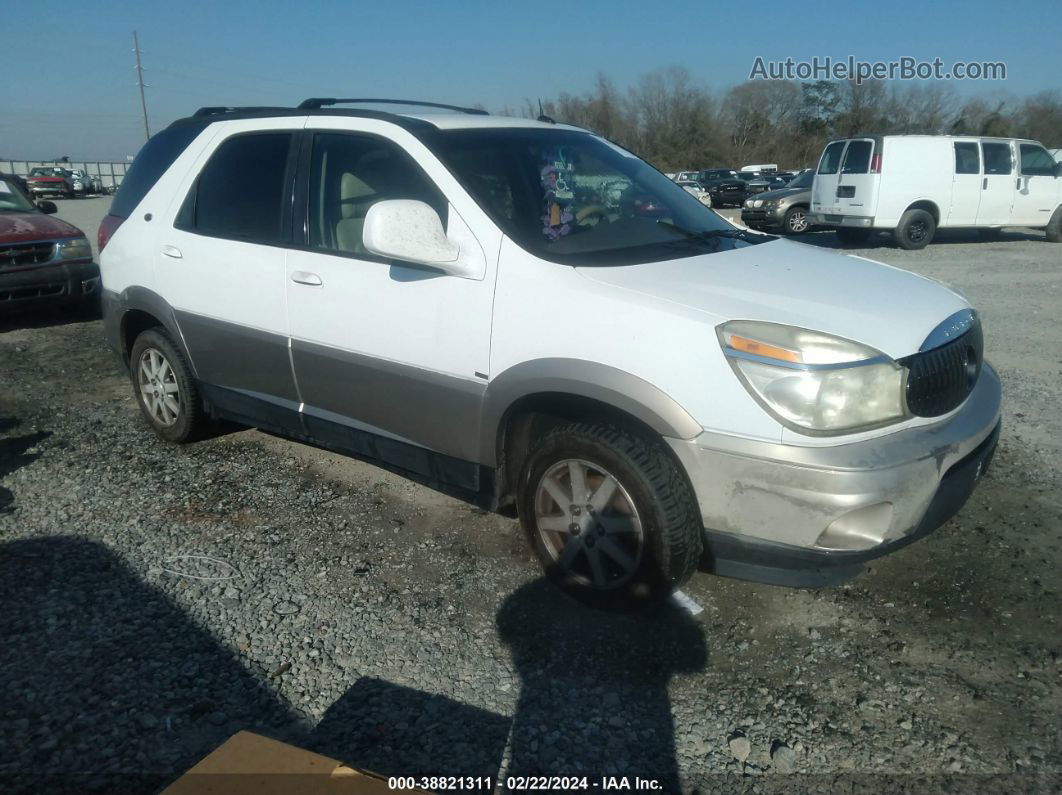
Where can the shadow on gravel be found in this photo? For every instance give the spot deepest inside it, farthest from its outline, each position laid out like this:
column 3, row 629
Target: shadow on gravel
column 47, row 316
column 946, row 236
column 13, row 455
column 594, row 697
column 398, row 731
column 107, row 685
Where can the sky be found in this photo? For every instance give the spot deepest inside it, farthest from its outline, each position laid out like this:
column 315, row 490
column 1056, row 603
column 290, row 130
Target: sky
column 235, row 52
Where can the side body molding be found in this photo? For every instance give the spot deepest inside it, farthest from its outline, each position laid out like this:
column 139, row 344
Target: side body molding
column 586, row 379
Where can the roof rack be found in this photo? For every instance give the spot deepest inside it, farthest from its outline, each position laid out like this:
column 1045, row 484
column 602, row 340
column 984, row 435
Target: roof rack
column 314, row 103
column 213, row 110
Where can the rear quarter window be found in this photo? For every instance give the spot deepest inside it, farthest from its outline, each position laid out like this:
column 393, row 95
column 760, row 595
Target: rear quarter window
column 154, row 158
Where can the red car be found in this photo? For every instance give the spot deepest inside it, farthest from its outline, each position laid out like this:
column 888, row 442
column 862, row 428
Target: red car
column 50, row 181
column 42, row 259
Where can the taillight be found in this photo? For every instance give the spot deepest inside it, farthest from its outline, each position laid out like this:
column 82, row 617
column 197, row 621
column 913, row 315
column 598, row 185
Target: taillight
column 108, row 227
column 875, row 163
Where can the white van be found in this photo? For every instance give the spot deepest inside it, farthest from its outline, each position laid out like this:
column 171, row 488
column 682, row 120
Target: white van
column 912, row 185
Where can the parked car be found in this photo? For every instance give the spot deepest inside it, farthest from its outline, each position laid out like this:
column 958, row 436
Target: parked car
column 912, row 185
column 724, row 187
column 760, row 168
column 640, row 390
column 764, row 182
column 50, row 181
column 785, row 208
column 695, row 188
column 84, row 184
column 42, row 259
column 686, row 176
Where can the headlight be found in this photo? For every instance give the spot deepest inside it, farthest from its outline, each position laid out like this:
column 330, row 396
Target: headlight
column 813, row 382
column 748, row 202
column 75, row 248
column 757, row 203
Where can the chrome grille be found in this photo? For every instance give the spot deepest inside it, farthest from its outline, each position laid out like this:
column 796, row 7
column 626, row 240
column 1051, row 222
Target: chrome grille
column 14, row 254
column 942, row 378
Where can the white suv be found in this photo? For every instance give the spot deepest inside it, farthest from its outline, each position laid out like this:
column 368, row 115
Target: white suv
column 524, row 313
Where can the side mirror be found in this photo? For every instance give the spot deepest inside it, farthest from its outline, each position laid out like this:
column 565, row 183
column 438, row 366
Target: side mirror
column 47, row 207
column 410, row 230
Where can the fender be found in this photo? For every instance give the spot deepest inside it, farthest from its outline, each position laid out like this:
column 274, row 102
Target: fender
column 615, row 387
column 117, row 305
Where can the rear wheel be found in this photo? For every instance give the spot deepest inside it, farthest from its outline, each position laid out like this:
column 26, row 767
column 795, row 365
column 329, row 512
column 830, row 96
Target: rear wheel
column 609, row 515
column 796, row 221
column 851, row 236
column 915, row 230
column 164, row 387
column 1054, row 227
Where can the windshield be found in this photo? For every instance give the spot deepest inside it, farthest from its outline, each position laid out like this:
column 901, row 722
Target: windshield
column 802, row 180
column 12, row 198
column 48, row 172
column 574, row 198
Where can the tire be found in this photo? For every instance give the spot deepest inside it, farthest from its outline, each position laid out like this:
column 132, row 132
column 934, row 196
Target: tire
column 1054, row 227
column 796, row 221
column 649, row 518
column 851, row 236
column 146, row 372
column 915, row 230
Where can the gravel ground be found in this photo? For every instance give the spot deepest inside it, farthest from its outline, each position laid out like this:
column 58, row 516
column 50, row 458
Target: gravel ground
column 155, row 599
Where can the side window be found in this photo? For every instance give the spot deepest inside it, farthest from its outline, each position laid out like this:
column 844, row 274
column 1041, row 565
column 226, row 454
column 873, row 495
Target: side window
column 349, row 173
column 997, row 158
column 967, row 158
column 857, row 158
column 831, row 158
column 240, row 192
column 1036, row 162
column 151, row 162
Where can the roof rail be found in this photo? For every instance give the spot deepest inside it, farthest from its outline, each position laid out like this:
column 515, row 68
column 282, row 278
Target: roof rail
column 214, row 110
column 314, row 103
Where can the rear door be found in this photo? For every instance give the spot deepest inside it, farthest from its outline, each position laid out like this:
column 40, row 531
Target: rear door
column 965, row 184
column 824, row 190
column 855, row 182
column 997, row 183
column 221, row 266
column 1036, row 194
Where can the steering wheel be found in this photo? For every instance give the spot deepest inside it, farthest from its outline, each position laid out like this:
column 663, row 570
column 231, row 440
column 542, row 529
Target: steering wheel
column 592, row 211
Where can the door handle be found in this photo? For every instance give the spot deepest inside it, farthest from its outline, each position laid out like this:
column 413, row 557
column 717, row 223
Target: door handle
column 305, row 277
column 1017, row 183
column 984, row 184
column 172, row 251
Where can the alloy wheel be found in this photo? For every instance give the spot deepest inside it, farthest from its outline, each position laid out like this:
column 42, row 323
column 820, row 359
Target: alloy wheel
column 159, row 390
column 588, row 524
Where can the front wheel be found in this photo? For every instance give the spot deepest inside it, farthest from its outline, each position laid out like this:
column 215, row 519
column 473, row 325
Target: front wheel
column 796, row 221
column 609, row 515
column 164, row 387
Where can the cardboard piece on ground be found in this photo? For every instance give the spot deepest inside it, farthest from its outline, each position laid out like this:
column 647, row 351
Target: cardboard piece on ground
column 249, row 764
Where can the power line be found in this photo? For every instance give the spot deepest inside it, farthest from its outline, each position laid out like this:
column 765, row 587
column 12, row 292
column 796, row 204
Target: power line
column 140, row 83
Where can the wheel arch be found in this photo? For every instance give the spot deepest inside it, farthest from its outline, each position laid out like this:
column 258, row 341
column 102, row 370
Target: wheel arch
column 928, row 205
column 138, row 309
column 527, row 400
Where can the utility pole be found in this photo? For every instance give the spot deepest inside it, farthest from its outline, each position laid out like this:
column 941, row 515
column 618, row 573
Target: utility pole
column 140, row 83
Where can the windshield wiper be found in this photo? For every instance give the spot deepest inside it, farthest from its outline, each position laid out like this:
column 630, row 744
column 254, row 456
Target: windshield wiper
column 716, row 234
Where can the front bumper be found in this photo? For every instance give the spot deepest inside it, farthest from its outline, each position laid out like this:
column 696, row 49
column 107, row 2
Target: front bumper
column 62, row 282
column 762, row 216
column 814, row 515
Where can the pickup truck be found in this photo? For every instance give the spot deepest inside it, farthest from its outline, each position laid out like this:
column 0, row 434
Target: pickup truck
column 50, row 181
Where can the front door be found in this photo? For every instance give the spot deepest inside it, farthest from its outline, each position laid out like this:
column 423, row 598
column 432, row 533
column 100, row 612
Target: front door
column 390, row 348
column 965, row 184
column 997, row 184
column 221, row 267
column 1037, row 193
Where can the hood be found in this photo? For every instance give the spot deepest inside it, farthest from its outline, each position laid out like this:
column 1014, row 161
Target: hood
column 784, row 193
column 20, row 227
column 878, row 305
